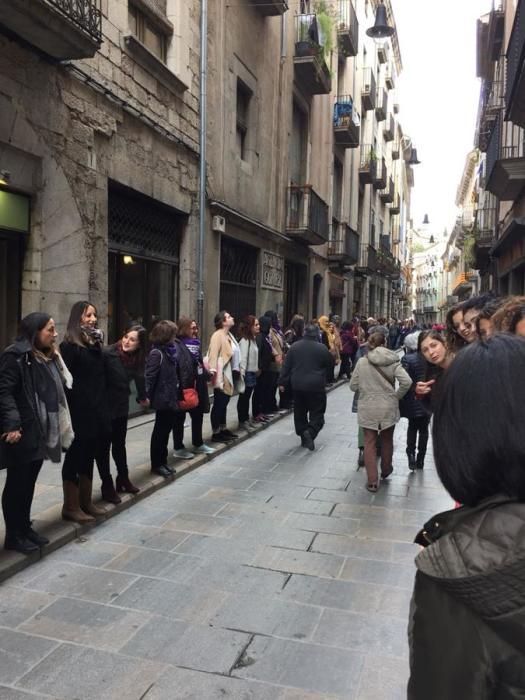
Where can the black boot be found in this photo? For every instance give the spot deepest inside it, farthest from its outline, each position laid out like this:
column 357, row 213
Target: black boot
column 20, row 543
column 420, row 461
column 35, row 538
column 412, row 464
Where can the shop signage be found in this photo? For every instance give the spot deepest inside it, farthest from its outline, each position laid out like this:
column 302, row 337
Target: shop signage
column 272, row 276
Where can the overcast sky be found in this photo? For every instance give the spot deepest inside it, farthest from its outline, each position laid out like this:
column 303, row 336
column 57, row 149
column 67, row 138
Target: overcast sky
column 438, row 95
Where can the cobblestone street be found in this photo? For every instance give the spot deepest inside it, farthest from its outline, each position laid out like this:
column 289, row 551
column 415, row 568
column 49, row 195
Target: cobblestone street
column 267, row 574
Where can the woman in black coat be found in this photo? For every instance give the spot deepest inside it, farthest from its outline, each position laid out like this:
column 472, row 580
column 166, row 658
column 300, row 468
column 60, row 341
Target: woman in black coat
column 413, row 408
column 467, row 617
column 264, row 389
column 124, row 364
column 89, row 406
column 34, row 423
column 169, row 369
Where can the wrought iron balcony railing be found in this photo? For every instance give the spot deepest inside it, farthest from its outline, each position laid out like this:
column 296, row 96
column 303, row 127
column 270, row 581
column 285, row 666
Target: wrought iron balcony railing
column 85, row 14
column 515, row 87
column 368, row 92
column 348, row 29
column 347, row 122
column 505, row 163
column 307, row 216
column 343, row 246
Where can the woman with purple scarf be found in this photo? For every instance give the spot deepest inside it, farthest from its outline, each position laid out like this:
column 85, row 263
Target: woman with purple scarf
column 188, row 334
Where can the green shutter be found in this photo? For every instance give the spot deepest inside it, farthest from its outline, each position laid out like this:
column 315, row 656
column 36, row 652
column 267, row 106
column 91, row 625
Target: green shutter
column 14, row 211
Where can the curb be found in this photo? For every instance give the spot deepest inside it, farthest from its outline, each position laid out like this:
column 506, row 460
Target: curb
column 60, row 532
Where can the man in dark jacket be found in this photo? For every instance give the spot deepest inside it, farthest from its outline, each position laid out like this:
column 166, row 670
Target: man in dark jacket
column 305, row 370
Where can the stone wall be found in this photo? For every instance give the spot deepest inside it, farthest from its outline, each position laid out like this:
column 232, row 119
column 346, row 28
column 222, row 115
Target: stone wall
column 66, row 129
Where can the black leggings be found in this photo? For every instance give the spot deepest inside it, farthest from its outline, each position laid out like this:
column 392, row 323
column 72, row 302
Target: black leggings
column 218, row 411
column 80, row 457
column 117, row 443
column 197, row 417
column 243, row 404
column 18, row 495
column 415, row 426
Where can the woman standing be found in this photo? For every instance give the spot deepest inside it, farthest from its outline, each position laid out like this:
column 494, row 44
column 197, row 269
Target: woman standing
column 89, row 406
column 279, row 351
column 249, row 370
column 263, row 394
column 378, row 407
column 455, row 340
column 124, row 363
column 413, row 409
column 349, row 348
column 224, row 364
column 328, row 339
column 169, row 369
column 34, row 423
column 188, row 335
column 295, row 330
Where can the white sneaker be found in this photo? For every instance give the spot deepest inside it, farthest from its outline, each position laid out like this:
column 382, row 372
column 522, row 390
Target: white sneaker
column 204, row 450
column 246, row 426
column 183, row 454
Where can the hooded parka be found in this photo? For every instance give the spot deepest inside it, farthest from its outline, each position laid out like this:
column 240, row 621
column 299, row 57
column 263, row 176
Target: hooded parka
column 467, row 619
column 378, row 406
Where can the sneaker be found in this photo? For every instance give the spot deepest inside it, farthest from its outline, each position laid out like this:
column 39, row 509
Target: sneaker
column 183, row 453
column 204, row 450
column 246, row 425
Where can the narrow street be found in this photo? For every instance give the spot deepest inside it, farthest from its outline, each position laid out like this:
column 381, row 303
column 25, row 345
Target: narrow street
column 268, row 574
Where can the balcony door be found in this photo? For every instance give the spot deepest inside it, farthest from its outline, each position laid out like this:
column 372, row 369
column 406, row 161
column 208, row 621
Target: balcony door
column 298, row 146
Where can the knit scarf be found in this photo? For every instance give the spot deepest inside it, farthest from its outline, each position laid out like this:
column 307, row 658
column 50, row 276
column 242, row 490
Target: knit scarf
column 93, row 336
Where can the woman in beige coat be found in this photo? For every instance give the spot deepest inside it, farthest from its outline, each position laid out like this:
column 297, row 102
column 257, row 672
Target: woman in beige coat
column 224, row 364
column 374, row 377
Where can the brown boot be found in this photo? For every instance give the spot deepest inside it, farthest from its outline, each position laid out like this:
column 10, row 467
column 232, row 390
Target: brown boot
column 85, row 492
column 71, row 508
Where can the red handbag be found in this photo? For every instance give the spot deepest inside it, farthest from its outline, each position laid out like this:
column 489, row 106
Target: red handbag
column 190, row 399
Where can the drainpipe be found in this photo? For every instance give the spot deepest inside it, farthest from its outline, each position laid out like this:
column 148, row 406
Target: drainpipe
column 202, row 161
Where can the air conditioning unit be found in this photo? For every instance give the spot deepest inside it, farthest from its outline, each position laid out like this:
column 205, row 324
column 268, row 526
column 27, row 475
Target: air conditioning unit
column 218, row 224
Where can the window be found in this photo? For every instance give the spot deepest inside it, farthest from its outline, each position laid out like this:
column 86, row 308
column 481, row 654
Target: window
column 147, row 33
column 243, row 103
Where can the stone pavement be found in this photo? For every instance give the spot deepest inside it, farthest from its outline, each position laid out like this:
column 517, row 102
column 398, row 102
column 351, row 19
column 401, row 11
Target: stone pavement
column 269, row 573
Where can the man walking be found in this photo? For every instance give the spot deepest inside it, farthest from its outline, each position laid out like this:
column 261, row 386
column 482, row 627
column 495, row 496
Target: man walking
column 305, row 370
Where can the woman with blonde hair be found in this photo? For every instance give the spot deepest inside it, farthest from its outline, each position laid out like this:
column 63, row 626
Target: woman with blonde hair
column 328, row 338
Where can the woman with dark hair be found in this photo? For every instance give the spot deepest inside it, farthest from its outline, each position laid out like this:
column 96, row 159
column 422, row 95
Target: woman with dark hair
column 349, row 348
column 411, row 407
column 124, row 363
column 279, row 351
column 224, row 364
column 169, row 370
column 466, row 629
column 455, row 340
column 510, row 317
column 295, row 330
column 248, row 332
column 263, row 394
column 34, row 422
column 89, row 406
column 375, row 377
column 485, row 325
column 188, row 334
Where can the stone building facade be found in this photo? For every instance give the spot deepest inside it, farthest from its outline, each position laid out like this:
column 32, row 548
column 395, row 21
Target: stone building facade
column 99, row 116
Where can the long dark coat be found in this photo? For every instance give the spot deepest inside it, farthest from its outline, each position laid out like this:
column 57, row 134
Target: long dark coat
column 88, row 400
column 119, row 378
column 17, row 407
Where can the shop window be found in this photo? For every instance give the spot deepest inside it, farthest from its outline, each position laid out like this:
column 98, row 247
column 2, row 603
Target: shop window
column 147, row 33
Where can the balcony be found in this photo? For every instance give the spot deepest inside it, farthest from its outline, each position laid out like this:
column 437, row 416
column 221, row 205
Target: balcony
column 311, row 71
column 382, row 53
column 379, row 181
column 464, row 282
column 307, row 216
column 396, row 205
column 368, row 91
column 367, row 164
column 389, row 131
column 386, row 263
column 387, row 194
column 381, row 104
column 505, row 164
column 343, row 247
column 62, row 29
column 515, row 90
column 390, row 82
column 484, row 235
column 271, row 7
column 396, row 150
column 490, row 106
column 348, row 29
column 347, row 122
column 367, row 263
